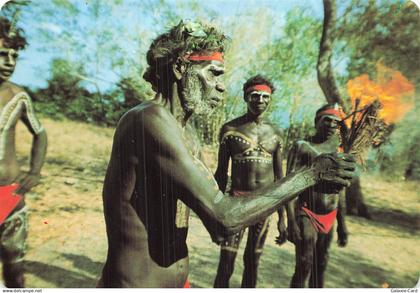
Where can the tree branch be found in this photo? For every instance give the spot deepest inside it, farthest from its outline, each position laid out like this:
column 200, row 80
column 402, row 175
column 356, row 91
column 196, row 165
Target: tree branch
column 326, row 77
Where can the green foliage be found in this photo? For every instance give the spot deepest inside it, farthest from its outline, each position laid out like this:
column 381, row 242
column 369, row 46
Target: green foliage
column 65, row 96
column 385, row 32
column 290, row 62
column 400, row 156
column 381, row 31
column 98, row 73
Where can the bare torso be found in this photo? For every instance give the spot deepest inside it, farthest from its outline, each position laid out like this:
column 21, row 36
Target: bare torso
column 146, row 222
column 320, row 203
column 10, row 113
column 253, row 148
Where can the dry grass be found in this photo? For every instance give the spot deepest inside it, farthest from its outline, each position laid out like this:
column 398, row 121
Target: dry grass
column 67, row 241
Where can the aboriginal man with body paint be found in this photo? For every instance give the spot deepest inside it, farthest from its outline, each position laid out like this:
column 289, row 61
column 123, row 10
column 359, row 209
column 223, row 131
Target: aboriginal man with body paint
column 15, row 105
column 254, row 144
column 312, row 215
column 155, row 173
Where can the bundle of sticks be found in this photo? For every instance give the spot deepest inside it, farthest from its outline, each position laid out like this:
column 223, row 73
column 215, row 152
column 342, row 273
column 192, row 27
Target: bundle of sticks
column 363, row 128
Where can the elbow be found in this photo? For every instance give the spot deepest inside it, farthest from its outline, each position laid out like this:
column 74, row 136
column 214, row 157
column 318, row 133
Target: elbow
column 229, row 224
column 222, row 228
column 41, row 135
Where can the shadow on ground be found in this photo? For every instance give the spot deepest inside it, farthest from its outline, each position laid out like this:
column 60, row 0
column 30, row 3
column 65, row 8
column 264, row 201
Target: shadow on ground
column 84, row 263
column 64, row 278
column 59, row 277
column 345, row 270
column 395, row 218
column 349, row 270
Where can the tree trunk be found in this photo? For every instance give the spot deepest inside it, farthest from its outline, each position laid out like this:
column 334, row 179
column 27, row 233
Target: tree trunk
column 326, row 80
column 325, row 72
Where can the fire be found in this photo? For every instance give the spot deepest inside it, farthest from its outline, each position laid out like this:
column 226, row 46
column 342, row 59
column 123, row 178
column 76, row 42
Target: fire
column 391, row 88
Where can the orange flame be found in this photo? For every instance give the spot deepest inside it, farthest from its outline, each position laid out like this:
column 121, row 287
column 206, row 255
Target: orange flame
column 391, row 88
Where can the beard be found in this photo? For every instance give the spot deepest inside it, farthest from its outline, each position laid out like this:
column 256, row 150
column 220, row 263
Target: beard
column 194, row 95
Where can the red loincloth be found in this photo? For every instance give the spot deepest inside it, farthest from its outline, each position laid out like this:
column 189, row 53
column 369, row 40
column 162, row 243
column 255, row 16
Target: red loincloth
column 321, row 223
column 239, row 192
column 187, row 284
column 8, row 200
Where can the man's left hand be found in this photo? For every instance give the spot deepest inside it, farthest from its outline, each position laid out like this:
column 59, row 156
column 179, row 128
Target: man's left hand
column 27, row 181
column 342, row 236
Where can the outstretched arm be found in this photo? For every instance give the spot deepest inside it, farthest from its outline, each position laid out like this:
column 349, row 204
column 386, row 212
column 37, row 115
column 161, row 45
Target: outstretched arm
column 224, row 215
column 38, row 150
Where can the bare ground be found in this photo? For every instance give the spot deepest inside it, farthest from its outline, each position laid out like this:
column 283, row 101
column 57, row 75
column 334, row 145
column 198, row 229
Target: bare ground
column 67, row 241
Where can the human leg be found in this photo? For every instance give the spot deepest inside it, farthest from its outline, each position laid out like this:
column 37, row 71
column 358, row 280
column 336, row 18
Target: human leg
column 304, row 250
column 321, row 258
column 228, row 252
column 256, row 237
column 14, row 232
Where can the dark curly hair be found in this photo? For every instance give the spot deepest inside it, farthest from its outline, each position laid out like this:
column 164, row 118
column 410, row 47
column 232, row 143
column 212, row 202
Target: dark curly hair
column 257, row 79
column 181, row 40
column 12, row 37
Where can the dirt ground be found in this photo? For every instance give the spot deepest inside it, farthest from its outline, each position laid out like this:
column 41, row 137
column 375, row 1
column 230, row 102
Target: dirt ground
column 67, row 241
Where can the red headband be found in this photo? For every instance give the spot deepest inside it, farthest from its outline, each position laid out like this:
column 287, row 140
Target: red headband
column 260, row 88
column 331, row 112
column 217, row 56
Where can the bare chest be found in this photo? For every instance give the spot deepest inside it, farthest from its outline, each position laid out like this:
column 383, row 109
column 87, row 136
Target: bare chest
column 252, row 143
column 10, row 110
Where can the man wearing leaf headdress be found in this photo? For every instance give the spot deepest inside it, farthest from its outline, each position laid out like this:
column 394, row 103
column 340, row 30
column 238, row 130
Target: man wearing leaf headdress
column 155, row 173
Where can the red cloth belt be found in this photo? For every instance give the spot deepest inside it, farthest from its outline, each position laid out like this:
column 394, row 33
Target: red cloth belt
column 239, row 193
column 321, row 223
column 8, row 200
column 187, row 284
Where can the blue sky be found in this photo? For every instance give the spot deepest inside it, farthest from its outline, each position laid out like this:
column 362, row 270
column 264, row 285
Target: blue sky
column 133, row 17
column 33, row 66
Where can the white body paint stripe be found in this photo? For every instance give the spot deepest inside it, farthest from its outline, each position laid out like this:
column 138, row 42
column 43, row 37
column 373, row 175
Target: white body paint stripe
column 9, row 114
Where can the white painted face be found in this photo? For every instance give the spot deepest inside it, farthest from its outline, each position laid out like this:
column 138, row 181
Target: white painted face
column 258, row 101
column 8, row 58
column 327, row 126
column 202, row 87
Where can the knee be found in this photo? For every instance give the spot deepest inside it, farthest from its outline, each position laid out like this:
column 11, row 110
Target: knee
column 306, row 262
column 305, row 258
column 322, row 263
column 307, row 250
column 251, row 257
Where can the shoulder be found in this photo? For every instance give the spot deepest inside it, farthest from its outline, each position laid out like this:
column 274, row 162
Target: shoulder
column 16, row 89
column 10, row 90
column 299, row 145
column 234, row 123
column 151, row 120
column 305, row 147
column 148, row 113
column 229, row 126
column 276, row 129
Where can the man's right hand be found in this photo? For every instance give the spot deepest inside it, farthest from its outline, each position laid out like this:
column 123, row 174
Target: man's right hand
column 282, row 238
column 333, row 172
